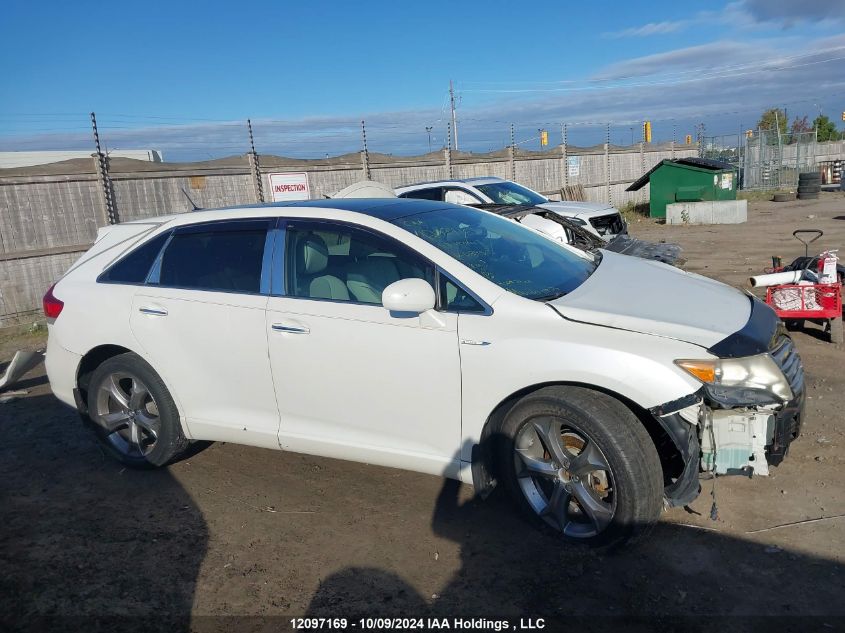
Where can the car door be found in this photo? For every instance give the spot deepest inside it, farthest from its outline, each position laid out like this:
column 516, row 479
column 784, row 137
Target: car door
column 353, row 380
column 200, row 322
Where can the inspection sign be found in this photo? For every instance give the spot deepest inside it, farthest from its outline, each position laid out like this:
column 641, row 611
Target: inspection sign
column 289, row 186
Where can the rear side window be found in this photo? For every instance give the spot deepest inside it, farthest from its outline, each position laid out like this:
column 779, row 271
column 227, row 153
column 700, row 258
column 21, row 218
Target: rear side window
column 225, row 257
column 134, row 268
column 433, row 193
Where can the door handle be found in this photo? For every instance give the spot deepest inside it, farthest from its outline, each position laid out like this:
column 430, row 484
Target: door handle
column 153, row 311
column 278, row 327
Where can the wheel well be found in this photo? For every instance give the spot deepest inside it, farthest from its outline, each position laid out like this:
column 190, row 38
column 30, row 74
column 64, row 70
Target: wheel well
column 671, row 460
column 93, row 359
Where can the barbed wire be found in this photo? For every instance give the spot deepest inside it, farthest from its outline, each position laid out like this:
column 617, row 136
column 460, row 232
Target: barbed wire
column 186, row 137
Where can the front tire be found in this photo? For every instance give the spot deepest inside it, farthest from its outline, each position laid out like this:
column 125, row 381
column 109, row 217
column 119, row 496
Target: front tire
column 581, row 465
column 133, row 414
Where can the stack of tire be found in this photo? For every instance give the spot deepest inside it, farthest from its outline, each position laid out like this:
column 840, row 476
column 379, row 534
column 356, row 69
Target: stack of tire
column 809, row 185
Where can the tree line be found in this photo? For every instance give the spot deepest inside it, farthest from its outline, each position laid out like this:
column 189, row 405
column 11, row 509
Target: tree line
column 776, row 119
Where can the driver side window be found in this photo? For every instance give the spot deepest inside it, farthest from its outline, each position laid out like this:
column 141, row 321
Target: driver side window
column 339, row 262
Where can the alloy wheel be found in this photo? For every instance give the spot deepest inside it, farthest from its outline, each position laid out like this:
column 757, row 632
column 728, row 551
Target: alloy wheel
column 127, row 412
column 564, row 476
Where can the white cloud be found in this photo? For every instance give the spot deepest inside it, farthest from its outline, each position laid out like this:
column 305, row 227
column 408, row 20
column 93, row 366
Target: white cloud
column 748, row 15
column 789, row 12
column 652, row 28
column 724, row 83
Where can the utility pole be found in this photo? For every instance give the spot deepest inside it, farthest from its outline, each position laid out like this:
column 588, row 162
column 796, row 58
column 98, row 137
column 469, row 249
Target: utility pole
column 454, row 116
column 428, row 129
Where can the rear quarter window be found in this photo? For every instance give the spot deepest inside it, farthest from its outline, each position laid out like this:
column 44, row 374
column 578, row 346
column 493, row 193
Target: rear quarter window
column 134, row 267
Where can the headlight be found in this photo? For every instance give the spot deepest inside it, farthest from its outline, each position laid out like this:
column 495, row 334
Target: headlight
column 736, row 381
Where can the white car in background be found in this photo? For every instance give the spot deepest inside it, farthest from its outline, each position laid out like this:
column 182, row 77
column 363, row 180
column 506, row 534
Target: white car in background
column 598, row 218
column 426, row 336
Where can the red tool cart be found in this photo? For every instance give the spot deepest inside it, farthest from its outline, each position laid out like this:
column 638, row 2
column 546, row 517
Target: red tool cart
column 818, row 302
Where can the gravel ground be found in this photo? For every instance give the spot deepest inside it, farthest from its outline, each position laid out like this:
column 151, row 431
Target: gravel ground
column 238, row 531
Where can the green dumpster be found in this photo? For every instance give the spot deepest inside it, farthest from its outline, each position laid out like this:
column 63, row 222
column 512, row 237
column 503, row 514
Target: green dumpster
column 687, row 180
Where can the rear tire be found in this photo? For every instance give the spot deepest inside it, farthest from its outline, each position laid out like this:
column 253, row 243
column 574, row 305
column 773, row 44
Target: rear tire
column 581, row 466
column 133, row 414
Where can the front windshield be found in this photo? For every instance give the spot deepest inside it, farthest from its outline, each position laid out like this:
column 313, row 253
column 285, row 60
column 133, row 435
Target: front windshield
column 507, row 192
column 511, row 256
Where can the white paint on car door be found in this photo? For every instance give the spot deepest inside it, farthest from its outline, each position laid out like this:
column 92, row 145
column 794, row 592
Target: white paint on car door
column 211, row 350
column 355, row 382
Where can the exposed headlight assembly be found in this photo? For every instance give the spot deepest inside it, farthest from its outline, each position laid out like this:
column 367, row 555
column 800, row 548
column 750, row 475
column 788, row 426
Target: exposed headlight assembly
column 751, row 380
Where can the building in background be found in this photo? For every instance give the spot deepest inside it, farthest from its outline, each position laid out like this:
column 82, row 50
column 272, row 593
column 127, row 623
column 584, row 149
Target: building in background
column 25, row 159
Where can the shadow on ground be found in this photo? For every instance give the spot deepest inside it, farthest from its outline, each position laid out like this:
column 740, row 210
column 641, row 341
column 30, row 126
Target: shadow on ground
column 84, row 541
column 678, row 578
column 84, row 538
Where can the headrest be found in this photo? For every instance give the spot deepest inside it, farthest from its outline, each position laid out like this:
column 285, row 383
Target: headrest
column 312, row 254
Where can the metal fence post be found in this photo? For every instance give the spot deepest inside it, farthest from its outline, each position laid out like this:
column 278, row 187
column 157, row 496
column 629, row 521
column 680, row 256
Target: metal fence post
column 674, row 131
column 607, row 163
column 642, row 167
column 512, row 155
column 101, row 164
column 254, row 166
column 565, row 157
column 365, row 155
column 447, row 151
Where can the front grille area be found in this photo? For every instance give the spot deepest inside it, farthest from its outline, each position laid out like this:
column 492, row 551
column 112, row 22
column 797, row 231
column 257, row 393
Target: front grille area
column 787, row 358
column 610, row 224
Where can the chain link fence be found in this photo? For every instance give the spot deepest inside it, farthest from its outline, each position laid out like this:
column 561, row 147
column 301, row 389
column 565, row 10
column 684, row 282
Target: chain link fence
column 766, row 160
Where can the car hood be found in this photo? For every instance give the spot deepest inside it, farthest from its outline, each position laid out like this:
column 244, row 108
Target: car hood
column 579, row 209
column 645, row 296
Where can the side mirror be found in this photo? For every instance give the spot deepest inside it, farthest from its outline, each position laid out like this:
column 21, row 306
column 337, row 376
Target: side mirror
column 413, row 296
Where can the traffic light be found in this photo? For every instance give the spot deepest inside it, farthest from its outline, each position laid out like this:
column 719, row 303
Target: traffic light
column 647, row 131
column 544, row 138
column 689, row 139
column 843, row 116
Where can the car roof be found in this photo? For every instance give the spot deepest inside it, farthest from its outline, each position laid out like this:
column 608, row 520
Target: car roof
column 387, row 209
column 477, row 180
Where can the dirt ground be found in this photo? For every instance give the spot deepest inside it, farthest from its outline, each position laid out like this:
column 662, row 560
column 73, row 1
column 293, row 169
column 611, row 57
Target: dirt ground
column 237, row 531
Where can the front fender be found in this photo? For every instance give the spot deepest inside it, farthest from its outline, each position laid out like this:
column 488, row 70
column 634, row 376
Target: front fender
column 635, row 366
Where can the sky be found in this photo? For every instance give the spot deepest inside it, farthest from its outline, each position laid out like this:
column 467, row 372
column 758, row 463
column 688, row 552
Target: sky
column 183, row 77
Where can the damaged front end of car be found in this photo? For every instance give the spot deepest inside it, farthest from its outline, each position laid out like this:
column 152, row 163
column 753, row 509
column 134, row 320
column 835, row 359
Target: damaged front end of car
column 747, row 412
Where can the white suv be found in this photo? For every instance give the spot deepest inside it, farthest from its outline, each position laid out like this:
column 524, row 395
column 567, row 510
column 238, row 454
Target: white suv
column 600, row 219
column 426, row 336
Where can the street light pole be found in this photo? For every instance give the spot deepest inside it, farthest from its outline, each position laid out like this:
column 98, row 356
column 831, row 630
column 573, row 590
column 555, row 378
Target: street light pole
column 428, row 129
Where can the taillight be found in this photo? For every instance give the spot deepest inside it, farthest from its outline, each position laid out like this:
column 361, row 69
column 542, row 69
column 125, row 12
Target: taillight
column 52, row 306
